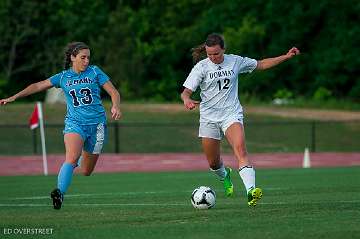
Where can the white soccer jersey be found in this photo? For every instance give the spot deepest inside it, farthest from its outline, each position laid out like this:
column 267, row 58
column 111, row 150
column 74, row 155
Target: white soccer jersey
column 219, row 85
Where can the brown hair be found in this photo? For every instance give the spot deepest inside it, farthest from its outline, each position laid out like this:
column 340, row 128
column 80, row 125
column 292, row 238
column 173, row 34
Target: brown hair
column 213, row 39
column 72, row 48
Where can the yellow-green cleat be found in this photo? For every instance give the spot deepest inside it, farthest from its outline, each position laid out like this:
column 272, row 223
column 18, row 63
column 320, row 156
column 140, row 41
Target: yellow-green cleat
column 228, row 186
column 254, row 195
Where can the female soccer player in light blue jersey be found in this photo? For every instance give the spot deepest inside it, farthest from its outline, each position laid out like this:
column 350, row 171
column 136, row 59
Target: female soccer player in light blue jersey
column 85, row 121
column 221, row 113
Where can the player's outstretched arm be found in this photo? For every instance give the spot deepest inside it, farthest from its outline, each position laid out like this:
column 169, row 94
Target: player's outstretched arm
column 31, row 89
column 188, row 102
column 271, row 62
column 115, row 99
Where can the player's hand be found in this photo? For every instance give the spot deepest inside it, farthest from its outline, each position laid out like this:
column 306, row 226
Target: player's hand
column 115, row 112
column 7, row 100
column 293, row 52
column 191, row 104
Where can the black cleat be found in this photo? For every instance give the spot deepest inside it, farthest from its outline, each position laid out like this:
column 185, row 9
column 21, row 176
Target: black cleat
column 57, row 198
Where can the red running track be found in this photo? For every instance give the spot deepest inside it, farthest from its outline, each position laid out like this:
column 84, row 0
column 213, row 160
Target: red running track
column 32, row 165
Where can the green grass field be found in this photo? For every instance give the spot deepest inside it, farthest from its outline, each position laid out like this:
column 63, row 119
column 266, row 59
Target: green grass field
column 297, row 203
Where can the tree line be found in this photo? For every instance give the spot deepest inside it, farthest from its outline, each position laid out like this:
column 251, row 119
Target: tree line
column 144, row 46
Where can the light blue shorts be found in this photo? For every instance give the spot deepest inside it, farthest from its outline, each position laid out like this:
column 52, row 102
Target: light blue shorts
column 94, row 136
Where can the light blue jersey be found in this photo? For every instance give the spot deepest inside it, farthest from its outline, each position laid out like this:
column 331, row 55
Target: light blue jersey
column 82, row 93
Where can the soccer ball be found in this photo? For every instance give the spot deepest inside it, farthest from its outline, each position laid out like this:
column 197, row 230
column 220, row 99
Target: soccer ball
column 203, row 198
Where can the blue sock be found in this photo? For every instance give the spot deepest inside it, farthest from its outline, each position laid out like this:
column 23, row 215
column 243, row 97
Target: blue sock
column 65, row 176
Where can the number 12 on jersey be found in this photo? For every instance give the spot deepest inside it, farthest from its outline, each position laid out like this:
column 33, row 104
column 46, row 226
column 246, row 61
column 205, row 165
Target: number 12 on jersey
column 225, row 85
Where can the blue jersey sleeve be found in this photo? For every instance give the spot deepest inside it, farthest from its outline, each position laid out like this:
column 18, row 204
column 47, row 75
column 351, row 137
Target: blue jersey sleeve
column 55, row 79
column 101, row 76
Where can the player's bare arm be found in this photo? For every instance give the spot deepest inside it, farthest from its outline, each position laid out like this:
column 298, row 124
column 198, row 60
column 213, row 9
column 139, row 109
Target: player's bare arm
column 115, row 99
column 188, row 102
column 271, row 62
column 31, row 89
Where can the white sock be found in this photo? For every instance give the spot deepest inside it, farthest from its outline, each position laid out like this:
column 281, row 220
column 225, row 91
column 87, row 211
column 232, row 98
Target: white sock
column 247, row 174
column 220, row 172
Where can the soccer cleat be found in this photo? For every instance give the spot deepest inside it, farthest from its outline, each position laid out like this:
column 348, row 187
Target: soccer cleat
column 254, row 195
column 228, row 186
column 57, row 198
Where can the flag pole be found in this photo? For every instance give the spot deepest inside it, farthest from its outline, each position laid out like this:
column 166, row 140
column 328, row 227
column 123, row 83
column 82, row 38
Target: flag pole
column 42, row 134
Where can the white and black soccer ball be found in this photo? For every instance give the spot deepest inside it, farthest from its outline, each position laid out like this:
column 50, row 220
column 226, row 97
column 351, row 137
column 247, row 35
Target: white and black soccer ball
column 203, row 198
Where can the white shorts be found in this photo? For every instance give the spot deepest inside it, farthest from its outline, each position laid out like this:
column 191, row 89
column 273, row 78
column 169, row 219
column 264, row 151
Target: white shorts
column 216, row 130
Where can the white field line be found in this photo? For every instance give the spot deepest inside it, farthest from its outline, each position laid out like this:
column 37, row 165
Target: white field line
column 161, row 204
column 91, row 195
column 119, row 194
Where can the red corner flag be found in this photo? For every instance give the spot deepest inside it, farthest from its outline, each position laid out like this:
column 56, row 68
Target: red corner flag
column 34, row 119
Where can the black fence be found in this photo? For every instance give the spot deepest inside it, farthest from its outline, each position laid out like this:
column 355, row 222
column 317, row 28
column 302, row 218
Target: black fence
column 150, row 137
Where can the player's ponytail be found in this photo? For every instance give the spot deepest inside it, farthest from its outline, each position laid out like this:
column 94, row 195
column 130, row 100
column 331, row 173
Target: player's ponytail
column 213, row 39
column 198, row 53
column 73, row 49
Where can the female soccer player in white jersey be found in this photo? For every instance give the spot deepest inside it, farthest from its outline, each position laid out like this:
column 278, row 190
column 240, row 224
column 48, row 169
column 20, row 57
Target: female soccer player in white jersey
column 85, row 121
column 220, row 111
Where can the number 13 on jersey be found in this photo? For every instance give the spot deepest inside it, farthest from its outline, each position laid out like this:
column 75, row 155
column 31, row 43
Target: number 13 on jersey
column 82, row 96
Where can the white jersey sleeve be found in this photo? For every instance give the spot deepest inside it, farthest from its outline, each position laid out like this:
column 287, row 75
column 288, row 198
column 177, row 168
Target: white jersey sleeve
column 245, row 64
column 195, row 77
